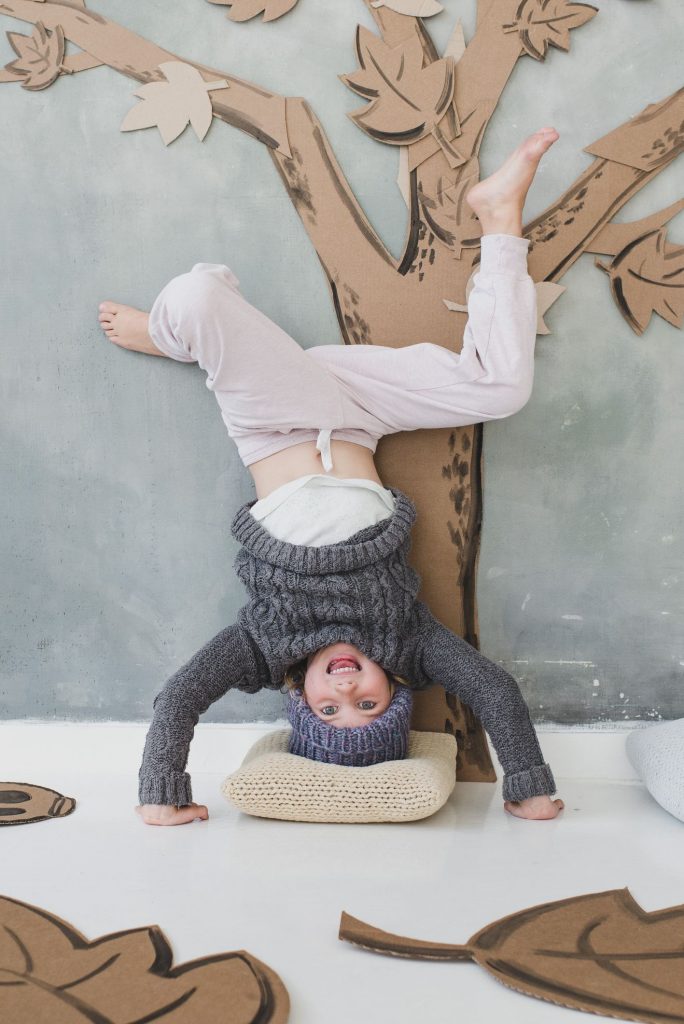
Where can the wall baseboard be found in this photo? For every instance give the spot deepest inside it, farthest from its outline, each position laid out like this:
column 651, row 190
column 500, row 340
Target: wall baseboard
column 29, row 749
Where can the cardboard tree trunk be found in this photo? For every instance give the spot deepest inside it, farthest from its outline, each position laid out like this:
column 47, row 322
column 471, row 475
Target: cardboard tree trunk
column 435, row 109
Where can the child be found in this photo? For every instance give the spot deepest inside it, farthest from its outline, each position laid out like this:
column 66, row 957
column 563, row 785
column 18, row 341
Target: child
column 323, row 554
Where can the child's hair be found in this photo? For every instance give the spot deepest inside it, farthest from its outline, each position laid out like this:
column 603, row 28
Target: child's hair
column 294, row 676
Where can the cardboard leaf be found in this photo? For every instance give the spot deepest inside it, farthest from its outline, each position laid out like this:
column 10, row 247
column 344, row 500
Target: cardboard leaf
column 243, row 10
column 39, row 56
column 600, row 953
column 544, row 23
column 416, row 8
column 171, row 105
column 447, row 212
column 22, row 803
column 50, row 971
column 547, row 293
column 615, row 236
column 407, row 101
column 456, row 45
column 647, row 278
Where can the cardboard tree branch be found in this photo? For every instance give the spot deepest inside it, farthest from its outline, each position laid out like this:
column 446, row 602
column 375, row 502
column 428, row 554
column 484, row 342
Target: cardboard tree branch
column 49, row 971
column 381, row 300
column 600, row 953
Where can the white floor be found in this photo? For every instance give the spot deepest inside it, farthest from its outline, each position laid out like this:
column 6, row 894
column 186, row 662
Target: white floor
column 277, row 889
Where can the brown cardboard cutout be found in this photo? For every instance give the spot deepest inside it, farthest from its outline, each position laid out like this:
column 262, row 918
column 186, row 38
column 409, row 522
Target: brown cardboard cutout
column 418, row 8
column 23, row 802
column 175, row 103
column 600, row 953
column 50, row 971
column 407, row 101
column 243, row 10
column 386, row 301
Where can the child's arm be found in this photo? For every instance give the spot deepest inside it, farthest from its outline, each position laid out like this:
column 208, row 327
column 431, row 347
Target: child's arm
column 226, row 662
column 495, row 698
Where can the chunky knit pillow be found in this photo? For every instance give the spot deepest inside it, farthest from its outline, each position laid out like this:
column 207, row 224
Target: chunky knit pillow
column 272, row 783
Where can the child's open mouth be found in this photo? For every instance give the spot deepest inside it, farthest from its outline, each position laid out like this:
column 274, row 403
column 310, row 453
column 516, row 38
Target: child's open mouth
column 341, row 664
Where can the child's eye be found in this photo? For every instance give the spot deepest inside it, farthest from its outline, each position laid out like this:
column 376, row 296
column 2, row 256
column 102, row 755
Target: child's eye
column 329, row 710
column 367, row 705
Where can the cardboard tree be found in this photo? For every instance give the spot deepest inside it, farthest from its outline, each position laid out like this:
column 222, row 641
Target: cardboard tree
column 435, row 109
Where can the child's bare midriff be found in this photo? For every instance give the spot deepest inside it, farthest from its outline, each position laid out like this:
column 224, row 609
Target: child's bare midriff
column 350, row 461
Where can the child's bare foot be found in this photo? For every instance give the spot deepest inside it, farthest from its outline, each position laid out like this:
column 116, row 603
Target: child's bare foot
column 127, row 327
column 165, row 814
column 535, row 808
column 499, row 199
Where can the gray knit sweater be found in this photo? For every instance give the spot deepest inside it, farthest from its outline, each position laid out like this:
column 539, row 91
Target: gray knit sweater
column 359, row 591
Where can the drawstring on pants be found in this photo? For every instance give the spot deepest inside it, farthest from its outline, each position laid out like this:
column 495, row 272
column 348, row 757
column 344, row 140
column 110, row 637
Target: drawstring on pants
column 323, row 446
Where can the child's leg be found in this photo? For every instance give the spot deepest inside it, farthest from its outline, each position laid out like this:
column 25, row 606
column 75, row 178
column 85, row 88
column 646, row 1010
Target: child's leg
column 426, row 385
column 271, row 395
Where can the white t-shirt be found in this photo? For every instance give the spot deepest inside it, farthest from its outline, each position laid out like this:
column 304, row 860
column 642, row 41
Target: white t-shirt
column 316, row 509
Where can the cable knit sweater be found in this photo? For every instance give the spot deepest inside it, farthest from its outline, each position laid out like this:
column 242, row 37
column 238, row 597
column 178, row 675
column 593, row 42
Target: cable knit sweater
column 360, row 591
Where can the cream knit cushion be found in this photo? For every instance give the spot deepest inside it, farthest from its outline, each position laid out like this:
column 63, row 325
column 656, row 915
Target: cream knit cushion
column 272, row 783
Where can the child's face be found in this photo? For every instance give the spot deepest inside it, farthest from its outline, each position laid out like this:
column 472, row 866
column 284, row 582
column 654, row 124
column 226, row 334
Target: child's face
column 344, row 688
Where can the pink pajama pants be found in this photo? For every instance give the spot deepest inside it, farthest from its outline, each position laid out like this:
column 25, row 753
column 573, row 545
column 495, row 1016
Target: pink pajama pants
column 274, row 394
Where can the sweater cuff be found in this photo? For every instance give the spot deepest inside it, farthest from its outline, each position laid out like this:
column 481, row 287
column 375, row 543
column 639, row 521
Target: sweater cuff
column 173, row 789
column 536, row 781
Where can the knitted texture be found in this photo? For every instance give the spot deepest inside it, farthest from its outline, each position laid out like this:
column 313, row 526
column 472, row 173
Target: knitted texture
column 384, row 739
column 360, row 591
column 272, row 783
column 657, row 753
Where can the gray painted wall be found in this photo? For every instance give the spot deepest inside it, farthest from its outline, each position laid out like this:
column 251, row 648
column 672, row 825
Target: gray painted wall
column 119, row 482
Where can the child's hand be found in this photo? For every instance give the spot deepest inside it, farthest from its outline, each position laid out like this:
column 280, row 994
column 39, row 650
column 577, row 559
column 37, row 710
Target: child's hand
column 535, row 808
column 167, row 814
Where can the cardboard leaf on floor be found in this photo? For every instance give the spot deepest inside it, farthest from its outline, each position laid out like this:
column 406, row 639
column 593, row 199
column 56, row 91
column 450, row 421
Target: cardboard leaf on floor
column 23, row 802
column 243, row 10
column 646, row 278
column 600, row 953
column 39, row 56
column 171, row 105
column 407, row 101
column 544, row 23
column 49, row 971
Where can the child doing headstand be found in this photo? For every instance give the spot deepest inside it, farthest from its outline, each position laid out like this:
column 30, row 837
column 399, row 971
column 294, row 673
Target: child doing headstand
column 332, row 601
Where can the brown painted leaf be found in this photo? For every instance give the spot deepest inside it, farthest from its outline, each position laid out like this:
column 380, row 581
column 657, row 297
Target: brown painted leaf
column 646, row 278
column 407, row 101
column 600, row 953
column 23, row 802
column 40, row 56
column 243, row 10
column 544, row 23
column 50, row 972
